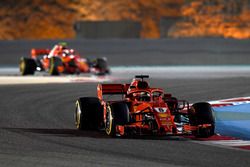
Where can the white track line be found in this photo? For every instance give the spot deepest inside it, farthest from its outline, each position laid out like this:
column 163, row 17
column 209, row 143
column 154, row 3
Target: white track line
column 178, row 71
column 233, row 143
column 7, row 80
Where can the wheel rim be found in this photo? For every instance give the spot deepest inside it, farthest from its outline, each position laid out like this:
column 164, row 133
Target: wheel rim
column 51, row 69
column 22, row 67
column 109, row 121
column 78, row 115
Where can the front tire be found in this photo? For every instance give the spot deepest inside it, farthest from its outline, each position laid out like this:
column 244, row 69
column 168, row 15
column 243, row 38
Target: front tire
column 117, row 114
column 88, row 113
column 202, row 113
column 102, row 65
column 27, row 66
column 55, row 62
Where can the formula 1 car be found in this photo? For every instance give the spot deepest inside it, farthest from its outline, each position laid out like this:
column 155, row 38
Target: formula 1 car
column 61, row 59
column 142, row 110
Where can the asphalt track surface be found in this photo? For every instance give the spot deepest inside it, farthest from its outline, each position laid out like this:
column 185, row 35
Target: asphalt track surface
column 37, row 128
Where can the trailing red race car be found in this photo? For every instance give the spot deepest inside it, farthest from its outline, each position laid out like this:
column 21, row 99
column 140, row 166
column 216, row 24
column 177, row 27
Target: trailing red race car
column 142, row 110
column 61, row 59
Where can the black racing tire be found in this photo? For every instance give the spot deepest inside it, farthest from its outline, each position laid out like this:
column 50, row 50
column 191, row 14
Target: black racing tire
column 202, row 113
column 27, row 66
column 88, row 113
column 102, row 65
column 53, row 67
column 117, row 114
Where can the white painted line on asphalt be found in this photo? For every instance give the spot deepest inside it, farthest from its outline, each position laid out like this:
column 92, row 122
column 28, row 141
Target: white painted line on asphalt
column 128, row 72
column 183, row 71
column 6, row 80
column 178, row 71
column 232, row 143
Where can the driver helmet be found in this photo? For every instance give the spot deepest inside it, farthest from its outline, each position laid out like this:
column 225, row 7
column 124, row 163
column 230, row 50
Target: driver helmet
column 63, row 45
column 142, row 96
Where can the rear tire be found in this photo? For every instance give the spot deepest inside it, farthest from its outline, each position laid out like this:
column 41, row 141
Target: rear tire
column 27, row 66
column 202, row 113
column 88, row 113
column 117, row 114
column 54, row 63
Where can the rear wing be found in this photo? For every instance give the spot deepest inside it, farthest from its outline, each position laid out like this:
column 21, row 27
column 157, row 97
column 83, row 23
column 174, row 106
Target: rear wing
column 103, row 89
column 37, row 52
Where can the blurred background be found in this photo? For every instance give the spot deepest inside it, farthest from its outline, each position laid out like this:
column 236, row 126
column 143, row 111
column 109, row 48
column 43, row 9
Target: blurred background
column 68, row 19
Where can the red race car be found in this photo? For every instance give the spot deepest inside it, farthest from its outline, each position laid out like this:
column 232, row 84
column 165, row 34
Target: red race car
column 142, row 110
column 61, row 59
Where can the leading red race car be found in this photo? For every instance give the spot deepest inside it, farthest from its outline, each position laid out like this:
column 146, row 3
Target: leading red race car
column 61, row 59
column 142, row 110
